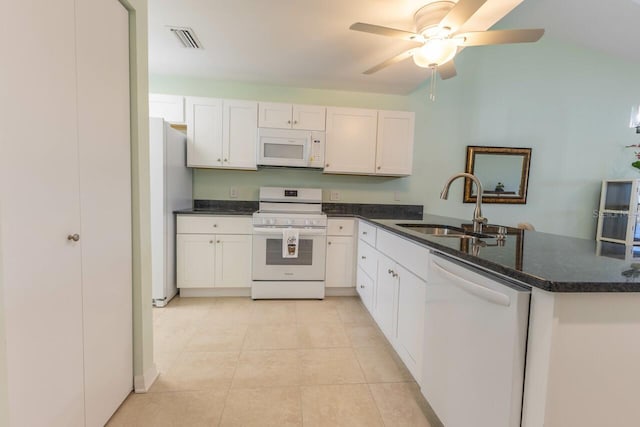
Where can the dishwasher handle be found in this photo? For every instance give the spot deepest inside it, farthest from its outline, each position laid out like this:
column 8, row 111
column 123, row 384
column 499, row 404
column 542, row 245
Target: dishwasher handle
column 474, row 288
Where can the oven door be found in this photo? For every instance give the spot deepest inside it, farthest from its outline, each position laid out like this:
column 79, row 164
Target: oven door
column 268, row 263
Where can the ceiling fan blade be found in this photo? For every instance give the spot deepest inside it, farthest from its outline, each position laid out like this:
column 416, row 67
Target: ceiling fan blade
column 401, row 57
column 482, row 38
column 447, row 70
column 460, row 13
column 386, row 31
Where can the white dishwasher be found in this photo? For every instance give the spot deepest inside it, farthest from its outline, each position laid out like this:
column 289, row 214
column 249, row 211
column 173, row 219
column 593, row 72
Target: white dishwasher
column 474, row 346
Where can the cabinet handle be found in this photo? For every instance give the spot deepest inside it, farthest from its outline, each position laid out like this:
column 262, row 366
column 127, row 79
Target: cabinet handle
column 379, row 167
column 364, row 233
column 389, row 271
column 74, row 237
column 328, row 243
column 340, row 227
column 225, row 160
column 327, row 165
column 288, row 122
column 361, row 286
column 363, row 257
column 295, row 122
column 215, row 225
column 210, row 241
column 217, row 241
column 219, row 160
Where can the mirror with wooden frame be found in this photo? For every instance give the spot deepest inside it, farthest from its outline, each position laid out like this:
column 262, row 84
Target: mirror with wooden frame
column 503, row 172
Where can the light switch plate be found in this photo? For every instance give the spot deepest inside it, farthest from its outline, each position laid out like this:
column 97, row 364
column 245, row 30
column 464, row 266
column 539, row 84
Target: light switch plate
column 335, row 196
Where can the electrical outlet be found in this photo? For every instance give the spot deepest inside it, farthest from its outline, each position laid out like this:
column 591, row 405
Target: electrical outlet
column 233, row 192
column 396, row 196
column 335, row 196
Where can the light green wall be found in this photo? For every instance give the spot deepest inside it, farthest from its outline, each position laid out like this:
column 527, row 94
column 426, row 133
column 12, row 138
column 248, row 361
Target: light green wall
column 571, row 105
column 142, row 318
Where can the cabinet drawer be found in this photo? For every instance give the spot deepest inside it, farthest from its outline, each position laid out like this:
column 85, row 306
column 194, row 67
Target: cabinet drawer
column 367, row 232
column 367, row 258
column 413, row 257
column 365, row 288
column 340, row 227
column 192, row 224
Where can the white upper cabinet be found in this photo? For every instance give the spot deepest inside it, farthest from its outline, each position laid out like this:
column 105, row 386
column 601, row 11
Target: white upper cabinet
column 221, row 133
column 369, row 142
column 351, row 141
column 239, row 134
column 168, row 107
column 394, row 150
column 288, row 116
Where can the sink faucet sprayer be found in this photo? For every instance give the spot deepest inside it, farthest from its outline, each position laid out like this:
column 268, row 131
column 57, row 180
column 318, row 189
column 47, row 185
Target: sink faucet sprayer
column 478, row 219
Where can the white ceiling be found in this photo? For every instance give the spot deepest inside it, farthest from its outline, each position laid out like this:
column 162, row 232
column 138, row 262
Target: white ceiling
column 307, row 43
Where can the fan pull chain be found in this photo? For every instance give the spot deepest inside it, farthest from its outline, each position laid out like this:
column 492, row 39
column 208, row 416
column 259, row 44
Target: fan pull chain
column 432, row 85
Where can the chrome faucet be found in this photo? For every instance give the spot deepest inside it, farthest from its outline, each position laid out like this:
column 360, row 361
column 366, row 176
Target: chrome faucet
column 478, row 219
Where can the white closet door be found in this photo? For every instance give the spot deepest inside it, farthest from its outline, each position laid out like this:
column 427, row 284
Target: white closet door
column 105, row 200
column 39, row 207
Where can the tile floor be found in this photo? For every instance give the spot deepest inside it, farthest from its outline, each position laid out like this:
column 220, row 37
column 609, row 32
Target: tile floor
column 238, row 362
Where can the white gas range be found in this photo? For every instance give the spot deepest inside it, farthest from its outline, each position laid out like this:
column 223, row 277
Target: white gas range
column 289, row 244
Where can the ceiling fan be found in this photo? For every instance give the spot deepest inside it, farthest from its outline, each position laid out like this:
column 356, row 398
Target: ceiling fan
column 437, row 26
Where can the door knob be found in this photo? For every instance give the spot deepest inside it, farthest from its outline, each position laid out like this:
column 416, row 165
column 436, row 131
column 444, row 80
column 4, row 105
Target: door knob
column 74, row 237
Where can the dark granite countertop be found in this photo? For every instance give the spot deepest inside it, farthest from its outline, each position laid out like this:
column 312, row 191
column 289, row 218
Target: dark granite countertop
column 546, row 261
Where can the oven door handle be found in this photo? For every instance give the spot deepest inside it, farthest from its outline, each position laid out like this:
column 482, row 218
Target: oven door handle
column 301, row 231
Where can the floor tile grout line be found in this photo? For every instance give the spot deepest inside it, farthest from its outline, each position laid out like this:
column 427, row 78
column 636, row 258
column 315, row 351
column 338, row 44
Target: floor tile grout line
column 375, row 402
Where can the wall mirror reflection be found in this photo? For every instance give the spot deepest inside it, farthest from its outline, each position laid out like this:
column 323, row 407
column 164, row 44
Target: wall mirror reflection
column 503, row 172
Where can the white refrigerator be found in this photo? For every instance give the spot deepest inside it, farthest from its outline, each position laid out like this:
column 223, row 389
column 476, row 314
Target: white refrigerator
column 171, row 189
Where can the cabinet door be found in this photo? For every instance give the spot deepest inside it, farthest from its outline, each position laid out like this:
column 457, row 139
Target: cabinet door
column 274, row 115
column 240, row 134
column 168, row 107
column 233, row 261
column 204, row 132
column 340, row 263
column 195, row 259
column 394, row 152
column 410, row 320
column 351, row 141
column 385, row 297
column 309, row 117
column 365, row 286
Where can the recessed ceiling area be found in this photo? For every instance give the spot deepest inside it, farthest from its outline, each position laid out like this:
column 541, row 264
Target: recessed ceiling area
column 309, row 44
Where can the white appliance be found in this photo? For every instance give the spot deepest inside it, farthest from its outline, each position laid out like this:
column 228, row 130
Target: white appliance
column 291, row 147
column 171, row 189
column 474, row 346
column 283, row 212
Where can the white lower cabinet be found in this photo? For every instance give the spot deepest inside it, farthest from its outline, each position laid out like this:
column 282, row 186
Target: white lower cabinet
column 386, row 292
column 207, row 260
column 231, row 268
column 340, row 266
column 195, row 257
column 410, row 320
column 393, row 293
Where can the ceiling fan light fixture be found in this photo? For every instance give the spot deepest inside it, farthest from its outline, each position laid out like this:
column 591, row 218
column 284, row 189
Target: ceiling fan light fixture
column 435, row 52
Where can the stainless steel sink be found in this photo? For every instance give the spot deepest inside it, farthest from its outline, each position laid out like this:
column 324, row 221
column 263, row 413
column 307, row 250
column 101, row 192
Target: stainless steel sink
column 439, row 230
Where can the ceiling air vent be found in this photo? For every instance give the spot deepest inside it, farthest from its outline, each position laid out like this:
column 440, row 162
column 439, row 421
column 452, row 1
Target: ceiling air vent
column 187, row 37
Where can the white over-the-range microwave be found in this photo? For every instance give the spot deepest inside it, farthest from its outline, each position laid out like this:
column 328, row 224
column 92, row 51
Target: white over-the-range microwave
column 291, row 147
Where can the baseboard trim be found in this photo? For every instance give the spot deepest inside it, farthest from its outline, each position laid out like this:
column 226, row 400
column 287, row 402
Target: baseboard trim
column 214, row 292
column 142, row 383
column 340, row 292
